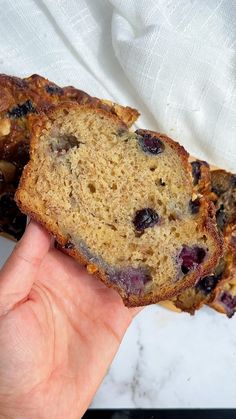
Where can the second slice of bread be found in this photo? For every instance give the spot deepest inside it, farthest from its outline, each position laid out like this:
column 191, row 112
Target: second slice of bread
column 119, row 202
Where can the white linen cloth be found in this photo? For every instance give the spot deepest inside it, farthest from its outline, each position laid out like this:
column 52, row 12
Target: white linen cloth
column 175, row 60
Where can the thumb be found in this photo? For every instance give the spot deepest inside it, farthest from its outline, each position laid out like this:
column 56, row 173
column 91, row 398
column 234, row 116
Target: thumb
column 18, row 274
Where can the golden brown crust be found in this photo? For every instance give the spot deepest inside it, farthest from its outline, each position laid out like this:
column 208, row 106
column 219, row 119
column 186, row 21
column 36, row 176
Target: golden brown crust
column 40, row 90
column 126, row 114
column 207, row 227
column 204, row 184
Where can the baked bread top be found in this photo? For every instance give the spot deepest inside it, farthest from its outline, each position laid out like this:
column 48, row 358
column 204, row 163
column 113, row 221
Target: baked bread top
column 109, row 197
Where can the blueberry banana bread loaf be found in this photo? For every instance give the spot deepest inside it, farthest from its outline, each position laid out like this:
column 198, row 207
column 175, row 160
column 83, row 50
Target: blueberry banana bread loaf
column 18, row 99
column 219, row 288
column 109, row 197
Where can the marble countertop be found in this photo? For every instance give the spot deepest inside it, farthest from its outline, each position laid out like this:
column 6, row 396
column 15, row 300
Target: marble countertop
column 170, row 360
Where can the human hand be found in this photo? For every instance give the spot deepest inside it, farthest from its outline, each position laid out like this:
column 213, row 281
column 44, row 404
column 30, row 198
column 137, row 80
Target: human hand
column 59, row 331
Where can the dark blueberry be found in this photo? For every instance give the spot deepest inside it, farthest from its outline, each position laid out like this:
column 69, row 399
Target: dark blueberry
column 150, row 143
column 208, row 283
column 145, row 218
column 53, row 89
column 204, row 163
column 229, row 303
column 22, row 110
column 132, row 280
column 194, row 206
column 69, row 245
column 191, row 257
column 221, row 217
column 64, row 143
column 196, row 171
column 8, row 206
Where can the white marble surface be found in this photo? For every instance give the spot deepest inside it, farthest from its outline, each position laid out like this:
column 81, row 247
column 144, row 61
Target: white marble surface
column 170, row 360
column 173, row 360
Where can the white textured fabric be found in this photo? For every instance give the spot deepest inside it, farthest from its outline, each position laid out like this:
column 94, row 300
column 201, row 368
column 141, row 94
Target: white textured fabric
column 175, row 60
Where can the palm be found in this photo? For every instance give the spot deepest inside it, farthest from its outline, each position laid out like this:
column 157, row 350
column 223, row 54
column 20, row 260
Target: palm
column 56, row 344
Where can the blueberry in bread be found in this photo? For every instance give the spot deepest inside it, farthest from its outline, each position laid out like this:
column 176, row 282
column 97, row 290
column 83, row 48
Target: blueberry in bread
column 201, row 177
column 109, row 197
column 18, row 99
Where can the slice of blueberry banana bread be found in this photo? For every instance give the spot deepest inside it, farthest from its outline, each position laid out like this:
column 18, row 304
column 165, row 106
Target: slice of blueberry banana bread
column 109, row 197
column 219, row 288
column 18, row 99
column 193, row 298
column 224, row 196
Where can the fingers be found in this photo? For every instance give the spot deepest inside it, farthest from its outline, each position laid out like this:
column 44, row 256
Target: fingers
column 18, row 273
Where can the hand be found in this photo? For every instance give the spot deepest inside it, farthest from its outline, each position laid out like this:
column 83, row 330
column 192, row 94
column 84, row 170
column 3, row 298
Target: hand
column 59, row 331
